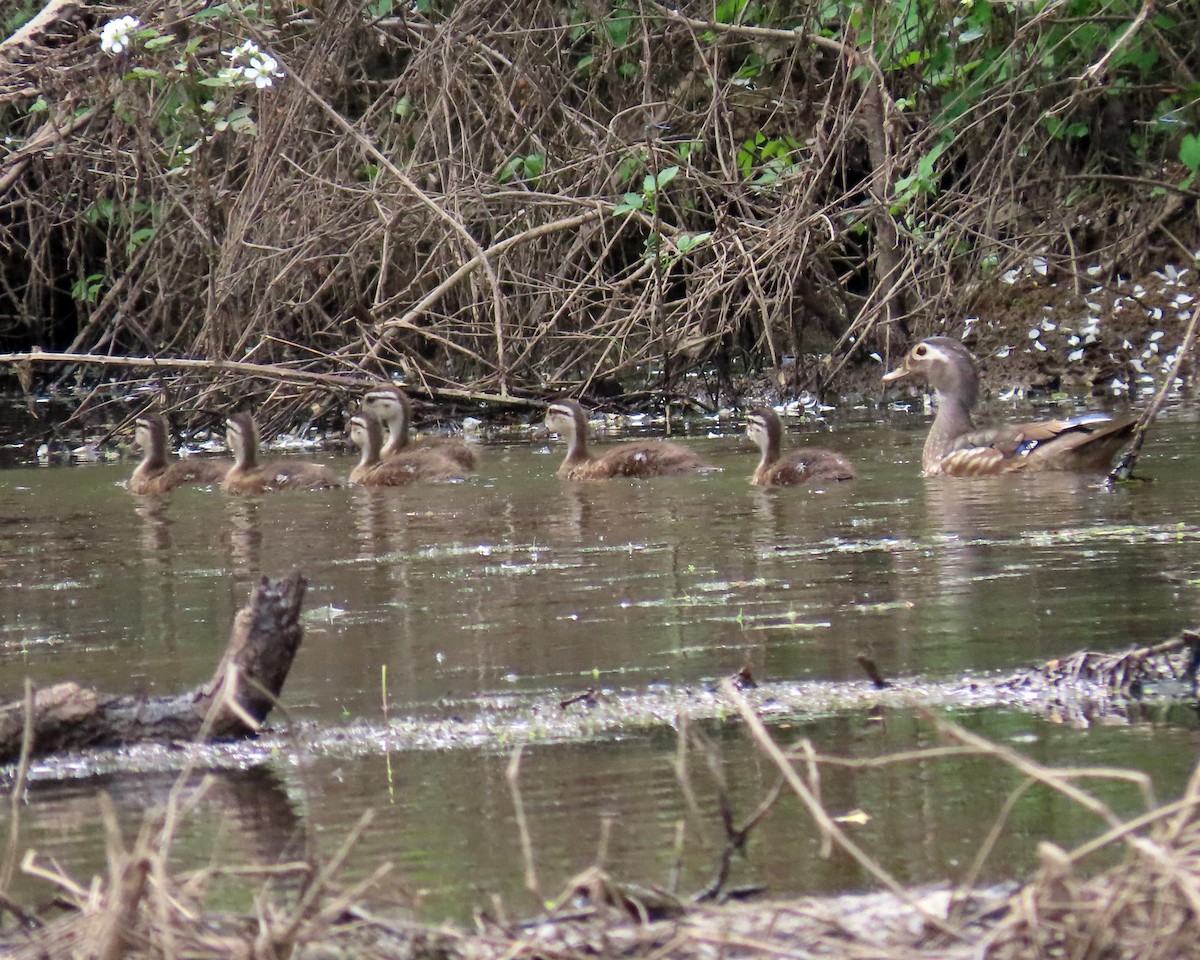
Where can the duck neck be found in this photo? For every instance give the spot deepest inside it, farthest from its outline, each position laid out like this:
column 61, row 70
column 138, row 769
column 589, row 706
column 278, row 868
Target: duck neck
column 154, row 457
column 577, row 451
column 769, row 445
column 247, row 454
column 370, row 454
column 397, row 433
column 951, row 421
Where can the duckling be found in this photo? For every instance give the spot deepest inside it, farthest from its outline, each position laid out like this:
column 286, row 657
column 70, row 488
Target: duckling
column 408, row 466
column 654, row 458
column 803, row 466
column 247, row 475
column 392, row 406
column 158, row 473
column 956, row 448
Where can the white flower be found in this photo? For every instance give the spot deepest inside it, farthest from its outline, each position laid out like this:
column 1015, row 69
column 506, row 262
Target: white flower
column 247, row 49
column 262, row 68
column 115, row 36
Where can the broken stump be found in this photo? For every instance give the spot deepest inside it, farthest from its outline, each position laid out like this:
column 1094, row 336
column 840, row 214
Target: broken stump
column 249, row 679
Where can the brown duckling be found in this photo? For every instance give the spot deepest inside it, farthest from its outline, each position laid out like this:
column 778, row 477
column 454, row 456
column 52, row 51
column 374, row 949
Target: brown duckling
column 803, row 466
column 955, row 448
column 392, row 406
column 158, row 472
column 652, row 458
column 410, row 465
column 247, row 475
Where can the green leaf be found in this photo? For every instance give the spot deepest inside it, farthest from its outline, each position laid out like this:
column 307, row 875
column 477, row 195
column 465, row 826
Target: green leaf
column 535, row 164
column 218, row 11
column 618, row 28
column 138, row 237
column 1189, row 152
column 633, row 201
column 157, row 42
column 688, row 242
column 665, row 176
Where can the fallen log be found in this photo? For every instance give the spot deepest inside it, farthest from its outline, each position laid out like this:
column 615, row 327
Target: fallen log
column 233, row 704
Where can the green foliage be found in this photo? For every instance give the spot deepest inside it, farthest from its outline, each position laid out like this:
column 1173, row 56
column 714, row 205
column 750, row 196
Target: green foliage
column 763, row 160
column 1189, row 156
column 87, row 289
column 527, row 168
column 16, row 17
column 646, row 200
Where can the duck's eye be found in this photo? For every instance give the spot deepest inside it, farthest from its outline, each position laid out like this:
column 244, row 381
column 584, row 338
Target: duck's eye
column 920, row 351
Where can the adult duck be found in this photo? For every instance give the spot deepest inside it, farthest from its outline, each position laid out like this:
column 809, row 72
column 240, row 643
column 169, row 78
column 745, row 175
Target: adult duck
column 956, row 448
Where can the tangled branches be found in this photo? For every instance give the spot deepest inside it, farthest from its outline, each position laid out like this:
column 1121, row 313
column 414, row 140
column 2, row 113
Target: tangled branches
column 531, row 196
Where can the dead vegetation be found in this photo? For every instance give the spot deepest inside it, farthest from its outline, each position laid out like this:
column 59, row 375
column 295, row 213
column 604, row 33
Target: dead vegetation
column 1076, row 904
column 529, row 197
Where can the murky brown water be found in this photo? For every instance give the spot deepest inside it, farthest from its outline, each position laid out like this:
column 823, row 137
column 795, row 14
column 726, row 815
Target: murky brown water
column 515, row 585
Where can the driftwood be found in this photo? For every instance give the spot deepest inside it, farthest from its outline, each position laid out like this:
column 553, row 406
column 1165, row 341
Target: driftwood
column 1122, row 672
column 262, row 644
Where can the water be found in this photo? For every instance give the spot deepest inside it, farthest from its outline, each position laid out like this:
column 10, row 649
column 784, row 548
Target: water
column 514, row 588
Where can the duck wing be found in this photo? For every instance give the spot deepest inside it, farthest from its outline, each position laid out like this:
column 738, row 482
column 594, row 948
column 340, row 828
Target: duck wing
column 655, row 458
column 1086, row 442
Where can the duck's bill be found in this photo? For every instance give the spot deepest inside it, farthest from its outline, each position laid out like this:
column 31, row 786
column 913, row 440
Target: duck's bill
column 898, row 374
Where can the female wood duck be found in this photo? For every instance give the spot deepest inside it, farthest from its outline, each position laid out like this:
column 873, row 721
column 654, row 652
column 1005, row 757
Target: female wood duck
column 409, row 465
column 392, row 406
column 803, row 466
column 247, row 475
column 955, row 448
column 158, row 472
column 653, row 458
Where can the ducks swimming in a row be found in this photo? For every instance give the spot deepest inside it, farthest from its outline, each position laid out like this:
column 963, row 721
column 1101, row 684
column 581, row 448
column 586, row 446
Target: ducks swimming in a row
column 394, row 463
column 954, row 446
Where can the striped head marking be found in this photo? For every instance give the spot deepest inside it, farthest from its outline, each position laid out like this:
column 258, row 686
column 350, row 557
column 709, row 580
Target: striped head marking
column 756, row 427
column 365, row 431
column 563, row 417
column 148, row 432
column 389, row 403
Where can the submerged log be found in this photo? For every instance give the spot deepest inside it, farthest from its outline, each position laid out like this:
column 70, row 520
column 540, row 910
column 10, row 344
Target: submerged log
column 233, row 704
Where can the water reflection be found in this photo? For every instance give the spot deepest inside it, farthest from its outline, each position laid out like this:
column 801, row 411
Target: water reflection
column 241, row 817
column 245, row 539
